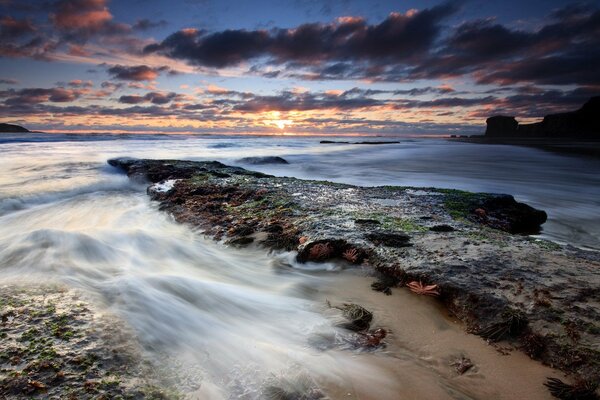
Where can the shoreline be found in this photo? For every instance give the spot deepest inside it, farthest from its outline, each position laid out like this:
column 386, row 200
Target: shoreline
column 537, row 295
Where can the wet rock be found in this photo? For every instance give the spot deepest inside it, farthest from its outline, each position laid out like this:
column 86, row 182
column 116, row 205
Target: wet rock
column 384, row 284
column 58, row 344
column 503, row 212
column 462, row 365
column 497, row 211
column 442, row 228
column 359, row 318
column 241, row 242
column 480, row 270
column 389, row 239
column 263, row 160
column 327, row 249
column 362, row 221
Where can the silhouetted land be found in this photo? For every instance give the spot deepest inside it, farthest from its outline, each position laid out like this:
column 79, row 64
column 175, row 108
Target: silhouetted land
column 13, row 128
column 574, row 132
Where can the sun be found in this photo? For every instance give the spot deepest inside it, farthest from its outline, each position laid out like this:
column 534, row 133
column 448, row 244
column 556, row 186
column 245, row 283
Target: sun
column 275, row 119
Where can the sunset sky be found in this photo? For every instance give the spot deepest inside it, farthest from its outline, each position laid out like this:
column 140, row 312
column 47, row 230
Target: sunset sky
column 293, row 67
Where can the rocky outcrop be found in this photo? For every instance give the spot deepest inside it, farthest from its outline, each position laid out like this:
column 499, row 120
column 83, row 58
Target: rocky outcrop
column 583, row 123
column 12, row 128
column 263, row 160
column 371, row 142
column 56, row 345
column 500, row 125
column 541, row 297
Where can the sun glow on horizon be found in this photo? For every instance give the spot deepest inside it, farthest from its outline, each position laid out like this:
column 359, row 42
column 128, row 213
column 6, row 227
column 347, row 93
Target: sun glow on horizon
column 275, row 120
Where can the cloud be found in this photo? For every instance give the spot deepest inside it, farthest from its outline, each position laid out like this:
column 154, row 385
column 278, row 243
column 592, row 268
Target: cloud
column 563, row 51
column 146, row 24
column 111, row 86
column 405, row 47
column 39, row 95
column 136, row 73
column 152, row 97
column 397, row 38
column 8, row 81
column 78, row 83
column 11, row 28
column 80, row 19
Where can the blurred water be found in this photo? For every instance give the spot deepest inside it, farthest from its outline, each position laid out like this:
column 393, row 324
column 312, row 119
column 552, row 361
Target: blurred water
column 65, row 215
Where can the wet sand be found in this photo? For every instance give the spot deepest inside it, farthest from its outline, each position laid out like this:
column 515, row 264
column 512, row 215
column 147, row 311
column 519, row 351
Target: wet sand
column 423, row 343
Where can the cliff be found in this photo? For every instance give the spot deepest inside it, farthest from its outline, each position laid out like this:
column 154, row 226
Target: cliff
column 12, row 128
column 582, row 124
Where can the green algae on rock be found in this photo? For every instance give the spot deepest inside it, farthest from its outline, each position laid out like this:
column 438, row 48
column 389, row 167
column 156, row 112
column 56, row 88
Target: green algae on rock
column 55, row 346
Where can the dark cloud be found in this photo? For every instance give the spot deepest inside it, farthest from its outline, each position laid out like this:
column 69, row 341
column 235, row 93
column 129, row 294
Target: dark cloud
column 111, row 86
column 11, row 28
column 440, row 90
column 151, row 97
column 8, row 81
column 290, row 101
column 407, row 47
column 146, row 24
column 20, row 38
column 78, row 20
column 398, row 38
column 136, row 73
column 39, row 95
column 563, row 51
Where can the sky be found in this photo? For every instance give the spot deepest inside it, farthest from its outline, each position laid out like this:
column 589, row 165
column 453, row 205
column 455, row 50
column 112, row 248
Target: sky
column 293, row 67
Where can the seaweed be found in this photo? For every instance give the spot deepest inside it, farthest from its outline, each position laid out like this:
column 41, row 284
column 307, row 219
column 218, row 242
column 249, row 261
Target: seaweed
column 581, row 390
column 513, row 322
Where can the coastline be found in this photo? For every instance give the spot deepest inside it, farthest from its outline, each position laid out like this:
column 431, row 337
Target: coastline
column 536, row 295
column 529, row 298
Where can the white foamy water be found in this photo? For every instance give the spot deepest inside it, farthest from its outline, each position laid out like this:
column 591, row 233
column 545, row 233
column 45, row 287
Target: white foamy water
column 238, row 319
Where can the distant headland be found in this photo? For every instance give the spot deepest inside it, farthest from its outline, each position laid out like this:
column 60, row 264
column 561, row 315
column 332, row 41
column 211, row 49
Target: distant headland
column 581, row 124
column 575, row 132
column 10, row 128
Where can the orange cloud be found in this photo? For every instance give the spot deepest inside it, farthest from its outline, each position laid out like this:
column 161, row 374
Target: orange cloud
column 81, row 14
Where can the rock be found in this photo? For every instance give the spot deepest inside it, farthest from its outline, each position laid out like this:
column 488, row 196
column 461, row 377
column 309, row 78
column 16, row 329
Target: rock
column 326, row 249
column 496, row 274
column 462, row 365
column 389, row 239
column 366, row 221
column 363, row 142
column 359, row 318
column 263, row 160
column 241, row 241
column 160, row 170
column 500, row 125
column 498, row 211
column 13, row 128
column 442, row 228
column 505, row 213
column 582, row 123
